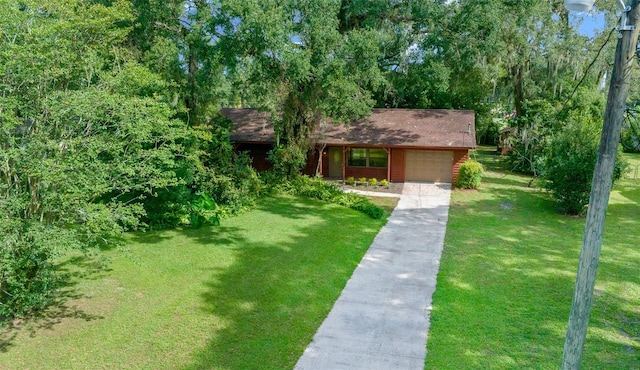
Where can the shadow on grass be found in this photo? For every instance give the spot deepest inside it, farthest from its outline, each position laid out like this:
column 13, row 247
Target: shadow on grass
column 221, row 235
column 71, row 271
column 280, row 288
column 506, row 283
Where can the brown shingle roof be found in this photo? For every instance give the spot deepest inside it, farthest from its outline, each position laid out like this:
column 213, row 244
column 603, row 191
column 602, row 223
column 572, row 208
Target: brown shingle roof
column 431, row 128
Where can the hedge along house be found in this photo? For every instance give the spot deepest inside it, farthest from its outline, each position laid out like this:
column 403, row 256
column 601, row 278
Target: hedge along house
column 394, row 144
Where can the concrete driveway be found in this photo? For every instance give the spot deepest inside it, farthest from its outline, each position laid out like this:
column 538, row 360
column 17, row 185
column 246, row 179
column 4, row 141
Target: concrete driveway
column 381, row 319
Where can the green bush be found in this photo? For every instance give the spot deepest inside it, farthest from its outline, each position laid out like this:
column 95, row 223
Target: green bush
column 287, row 159
column 28, row 276
column 630, row 138
column 363, row 180
column 203, row 211
column 351, row 180
column 373, row 181
column 359, row 203
column 569, row 165
column 319, row 189
column 469, row 175
column 384, row 183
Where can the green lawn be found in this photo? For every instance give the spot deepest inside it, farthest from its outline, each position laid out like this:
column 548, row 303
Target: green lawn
column 248, row 294
column 506, row 281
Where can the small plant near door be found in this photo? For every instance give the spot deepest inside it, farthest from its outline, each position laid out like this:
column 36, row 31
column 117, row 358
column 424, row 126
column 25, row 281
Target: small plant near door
column 384, row 183
column 351, row 181
column 363, row 181
column 373, row 182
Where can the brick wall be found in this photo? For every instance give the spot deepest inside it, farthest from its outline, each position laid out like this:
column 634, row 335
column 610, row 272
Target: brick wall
column 397, row 164
column 459, row 157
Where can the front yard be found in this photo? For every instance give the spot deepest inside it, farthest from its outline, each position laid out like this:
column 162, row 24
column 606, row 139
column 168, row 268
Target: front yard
column 248, row 294
column 507, row 275
column 251, row 293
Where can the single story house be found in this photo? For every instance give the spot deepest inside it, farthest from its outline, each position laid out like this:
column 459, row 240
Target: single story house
column 394, row 144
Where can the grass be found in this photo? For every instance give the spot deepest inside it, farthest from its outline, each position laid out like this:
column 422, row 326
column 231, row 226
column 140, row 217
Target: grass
column 633, row 172
column 386, row 203
column 507, row 274
column 248, row 294
column 251, row 293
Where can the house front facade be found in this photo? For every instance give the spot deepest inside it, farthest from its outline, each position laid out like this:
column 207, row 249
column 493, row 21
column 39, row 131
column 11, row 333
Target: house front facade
column 394, row 144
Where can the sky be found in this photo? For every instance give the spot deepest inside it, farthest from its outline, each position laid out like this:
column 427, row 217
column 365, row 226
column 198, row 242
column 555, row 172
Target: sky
column 588, row 23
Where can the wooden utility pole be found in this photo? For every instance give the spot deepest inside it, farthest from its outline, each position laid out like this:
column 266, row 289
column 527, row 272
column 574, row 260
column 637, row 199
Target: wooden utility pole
column 600, row 191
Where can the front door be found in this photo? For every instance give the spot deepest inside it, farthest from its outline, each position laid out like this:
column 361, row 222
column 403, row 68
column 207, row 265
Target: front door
column 335, row 162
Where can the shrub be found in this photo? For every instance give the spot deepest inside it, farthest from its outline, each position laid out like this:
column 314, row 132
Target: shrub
column 330, row 192
column 287, row 159
column 363, row 180
column 384, row 183
column 630, row 137
column 470, row 175
column 360, row 203
column 373, row 181
column 351, row 181
column 203, row 211
column 569, row 165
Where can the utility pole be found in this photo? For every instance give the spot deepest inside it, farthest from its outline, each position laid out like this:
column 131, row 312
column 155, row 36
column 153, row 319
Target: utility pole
column 601, row 189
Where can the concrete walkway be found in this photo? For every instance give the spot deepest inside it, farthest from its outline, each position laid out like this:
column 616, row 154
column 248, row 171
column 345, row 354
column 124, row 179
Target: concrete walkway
column 381, row 319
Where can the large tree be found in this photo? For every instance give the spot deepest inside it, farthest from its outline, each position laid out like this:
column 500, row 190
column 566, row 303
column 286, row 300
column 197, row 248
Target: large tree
column 308, row 61
column 175, row 41
column 84, row 139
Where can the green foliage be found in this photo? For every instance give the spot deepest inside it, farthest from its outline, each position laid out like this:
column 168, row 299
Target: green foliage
column 90, row 145
column 329, row 72
column 469, row 175
column 384, row 183
column 630, row 140
column 109, row 109
column 216, row 172
column 362, row 180
column 28, row 277
column 227, row 176
column 531, row 136
column 373, row 181
column 203, row 211
column 319, row 189
column 360, row 203
column 569, row 166
column 287, row 159
column 630, row 135
column 488, row 129
column 351, row 180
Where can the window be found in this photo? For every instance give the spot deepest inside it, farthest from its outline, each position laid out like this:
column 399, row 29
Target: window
column 377, row 157
column 358, row 157
column 367, row 157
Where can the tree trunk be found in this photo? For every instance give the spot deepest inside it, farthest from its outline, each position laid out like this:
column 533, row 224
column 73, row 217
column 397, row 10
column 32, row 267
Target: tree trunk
column 518, row 88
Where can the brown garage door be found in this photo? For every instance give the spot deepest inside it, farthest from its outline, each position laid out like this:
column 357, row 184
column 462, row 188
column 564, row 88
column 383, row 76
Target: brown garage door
column 426, row 165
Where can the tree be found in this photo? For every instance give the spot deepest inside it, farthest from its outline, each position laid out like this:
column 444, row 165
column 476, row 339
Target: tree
column 308, row 61
column 85, row 140
column 494, row 57
column 175, row 41
column 570, row 155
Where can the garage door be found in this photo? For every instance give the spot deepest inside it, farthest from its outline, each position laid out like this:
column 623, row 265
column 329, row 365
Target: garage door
column 425, row 165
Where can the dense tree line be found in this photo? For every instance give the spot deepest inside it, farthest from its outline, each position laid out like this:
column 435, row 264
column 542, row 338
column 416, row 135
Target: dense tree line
column 96, row 142
column 109, row 109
